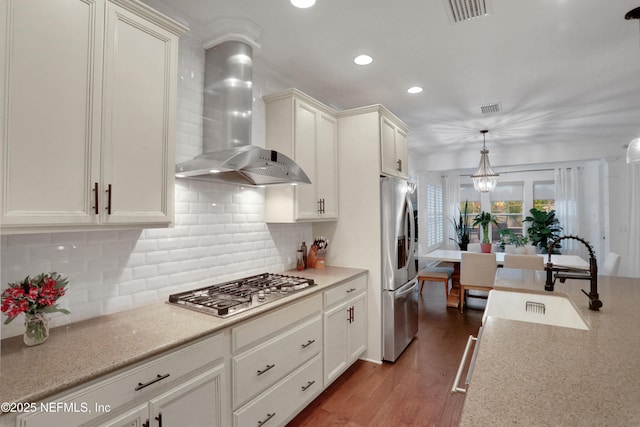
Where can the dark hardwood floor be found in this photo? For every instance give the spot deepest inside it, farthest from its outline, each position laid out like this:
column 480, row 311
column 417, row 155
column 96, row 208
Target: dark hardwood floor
column 413, row 391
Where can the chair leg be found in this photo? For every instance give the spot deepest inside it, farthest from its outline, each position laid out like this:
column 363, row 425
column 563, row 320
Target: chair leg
column 461, row 299
column 446, row 289
column 421, row 286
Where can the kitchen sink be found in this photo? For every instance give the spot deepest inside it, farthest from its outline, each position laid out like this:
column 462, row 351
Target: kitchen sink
column 553, row 310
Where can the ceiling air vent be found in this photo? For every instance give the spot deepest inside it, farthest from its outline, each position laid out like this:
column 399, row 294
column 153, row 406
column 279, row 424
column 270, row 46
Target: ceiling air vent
column 464, row 10
column 491, row 108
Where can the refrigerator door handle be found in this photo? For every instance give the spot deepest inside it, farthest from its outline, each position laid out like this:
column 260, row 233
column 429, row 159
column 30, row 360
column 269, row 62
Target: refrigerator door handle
column 410, row 288
column 412, row 233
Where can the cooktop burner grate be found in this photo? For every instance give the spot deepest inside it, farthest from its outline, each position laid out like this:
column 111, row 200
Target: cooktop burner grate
column 226, row 299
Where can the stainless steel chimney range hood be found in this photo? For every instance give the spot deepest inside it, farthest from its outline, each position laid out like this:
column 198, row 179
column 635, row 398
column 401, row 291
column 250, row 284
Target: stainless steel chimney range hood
column 228, row 154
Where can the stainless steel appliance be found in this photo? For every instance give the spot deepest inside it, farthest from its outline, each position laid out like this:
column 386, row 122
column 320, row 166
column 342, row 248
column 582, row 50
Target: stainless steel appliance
column 399, row 276
column 236, row 296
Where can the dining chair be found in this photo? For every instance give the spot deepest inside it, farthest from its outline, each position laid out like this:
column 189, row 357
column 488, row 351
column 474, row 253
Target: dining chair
column 526, row 262
column 611, row 264
column 436, row 274
column 477, row 272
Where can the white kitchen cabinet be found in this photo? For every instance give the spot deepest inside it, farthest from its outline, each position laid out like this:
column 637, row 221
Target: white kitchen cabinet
column 393, row 146
column 88, row 126
column 277, row 363
column 345, row 327
column 306, row 131
column 186, row 385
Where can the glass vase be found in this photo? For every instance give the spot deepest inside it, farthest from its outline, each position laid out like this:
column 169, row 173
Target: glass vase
column 36, row 329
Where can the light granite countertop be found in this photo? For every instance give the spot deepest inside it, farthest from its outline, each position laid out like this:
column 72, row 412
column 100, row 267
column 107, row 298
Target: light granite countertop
column 82, row 351
column 539, row 375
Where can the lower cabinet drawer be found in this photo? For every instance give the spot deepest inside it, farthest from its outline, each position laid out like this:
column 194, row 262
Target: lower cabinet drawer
column 258, row 369
column 346, row 290
column 278, row 405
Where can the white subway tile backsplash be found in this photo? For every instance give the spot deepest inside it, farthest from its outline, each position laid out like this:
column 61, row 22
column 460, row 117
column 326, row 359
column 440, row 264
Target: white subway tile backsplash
column 132, row 287
column 120, row 303
column 219, row 232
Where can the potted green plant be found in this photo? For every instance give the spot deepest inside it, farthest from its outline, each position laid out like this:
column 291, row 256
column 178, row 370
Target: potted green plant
column 543, row 228
column 484, row 219
column 507, row 238
column 462, row 228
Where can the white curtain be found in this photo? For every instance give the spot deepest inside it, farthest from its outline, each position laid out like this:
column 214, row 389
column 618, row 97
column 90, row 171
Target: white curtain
column 633, row 239
column 567, row 207
column 452, row 204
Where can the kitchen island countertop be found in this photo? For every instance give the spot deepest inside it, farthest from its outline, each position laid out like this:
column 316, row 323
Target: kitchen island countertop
column 80, row 352
column 539, row 375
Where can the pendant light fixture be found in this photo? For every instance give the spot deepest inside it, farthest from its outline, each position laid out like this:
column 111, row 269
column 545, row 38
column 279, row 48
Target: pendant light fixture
column 484, row 179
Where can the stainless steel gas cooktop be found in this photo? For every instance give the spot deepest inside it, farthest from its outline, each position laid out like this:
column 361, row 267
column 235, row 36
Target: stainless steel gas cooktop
column 236, row 296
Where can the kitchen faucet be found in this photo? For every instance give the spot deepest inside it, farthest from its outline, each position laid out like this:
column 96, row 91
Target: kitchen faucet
column 564, row 273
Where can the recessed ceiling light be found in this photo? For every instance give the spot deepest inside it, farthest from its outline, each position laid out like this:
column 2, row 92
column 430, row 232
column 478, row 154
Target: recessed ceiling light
column 363, row 60
column 303, row 4
column 414, row 89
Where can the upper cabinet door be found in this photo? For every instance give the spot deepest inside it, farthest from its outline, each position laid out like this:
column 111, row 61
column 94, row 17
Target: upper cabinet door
column 306, row 126
column 139, row 119
column 327, row 164
column 50, row 85
column 393, row 149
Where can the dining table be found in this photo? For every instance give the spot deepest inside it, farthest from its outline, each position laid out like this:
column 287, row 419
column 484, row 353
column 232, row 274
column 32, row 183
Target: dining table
column 454, row 257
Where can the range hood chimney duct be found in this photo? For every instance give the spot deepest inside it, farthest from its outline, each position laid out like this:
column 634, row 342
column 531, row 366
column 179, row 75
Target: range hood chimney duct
column 228, row 154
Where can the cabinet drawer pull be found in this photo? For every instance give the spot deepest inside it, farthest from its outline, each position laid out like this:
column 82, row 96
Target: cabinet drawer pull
column 266, row 369
column 350, row 290
column 399, row 168
column 309, row 342
column 309, row 384
column 153, row 381
column 96, row 195
column 108, row 208
column 159, row 419
column 269, row 416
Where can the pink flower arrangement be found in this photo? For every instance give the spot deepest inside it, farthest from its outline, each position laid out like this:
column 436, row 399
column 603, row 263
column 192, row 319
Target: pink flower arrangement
column 33, row 296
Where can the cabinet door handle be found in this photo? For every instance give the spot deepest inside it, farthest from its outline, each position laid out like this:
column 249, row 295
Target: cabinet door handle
column 269, row 416
column 159, row 419
column 108, row 208
column 322, row 204
column 399, row 168
column 455, row 388
column 309, row 342
column 260, row 372
column 319, row 206
column 96, row 195
column 309, row 384
column 153, row 381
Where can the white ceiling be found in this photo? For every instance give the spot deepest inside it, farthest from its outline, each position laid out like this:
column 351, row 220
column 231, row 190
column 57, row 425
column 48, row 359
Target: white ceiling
column 564, row 71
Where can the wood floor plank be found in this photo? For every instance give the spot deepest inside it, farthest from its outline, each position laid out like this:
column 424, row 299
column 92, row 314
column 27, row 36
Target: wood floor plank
column 413, row 391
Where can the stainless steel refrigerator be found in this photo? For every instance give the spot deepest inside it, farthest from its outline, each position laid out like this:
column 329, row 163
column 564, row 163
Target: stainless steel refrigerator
column 399, row 277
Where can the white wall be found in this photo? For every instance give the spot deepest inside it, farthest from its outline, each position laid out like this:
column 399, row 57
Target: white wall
column 219, row 231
